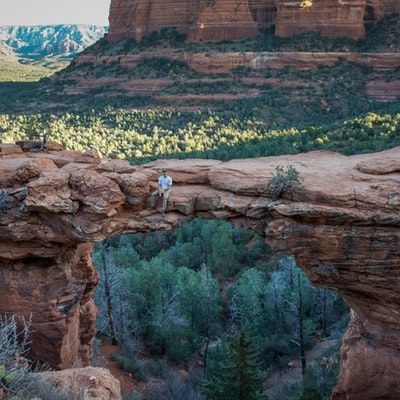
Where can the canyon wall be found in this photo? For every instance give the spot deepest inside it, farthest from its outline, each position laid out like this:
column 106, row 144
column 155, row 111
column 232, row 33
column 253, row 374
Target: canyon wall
column 342, row 225
column 216, row 20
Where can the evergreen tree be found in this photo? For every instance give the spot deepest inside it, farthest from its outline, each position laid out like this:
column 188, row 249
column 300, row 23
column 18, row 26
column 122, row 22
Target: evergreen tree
column 240, row 375
column 310, row 387
column 224, row 252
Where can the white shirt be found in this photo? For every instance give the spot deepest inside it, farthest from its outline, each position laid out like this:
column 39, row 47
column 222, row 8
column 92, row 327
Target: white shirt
column 165, row 182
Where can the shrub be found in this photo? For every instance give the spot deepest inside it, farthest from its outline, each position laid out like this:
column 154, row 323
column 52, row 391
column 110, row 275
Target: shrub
column 160, row 67
column 173, row 388
column 14, row 340
column 28, row 387
column 15, row 376
column 156, row 368
column 285, row 181
column 166, row 36
column 133, row 366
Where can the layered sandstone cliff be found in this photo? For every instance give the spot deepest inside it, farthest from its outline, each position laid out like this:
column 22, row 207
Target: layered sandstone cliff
column 215, row 20
column 214, row 62
column 343, row 226
column 330, row 18
column 230, row 19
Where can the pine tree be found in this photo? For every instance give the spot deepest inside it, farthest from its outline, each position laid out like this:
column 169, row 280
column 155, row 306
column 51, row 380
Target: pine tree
column 240, row 375
column 224, row 252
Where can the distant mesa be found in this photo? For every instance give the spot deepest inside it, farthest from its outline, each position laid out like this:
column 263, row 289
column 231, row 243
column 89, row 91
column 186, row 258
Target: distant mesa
column 217, row 20
column 36, row 42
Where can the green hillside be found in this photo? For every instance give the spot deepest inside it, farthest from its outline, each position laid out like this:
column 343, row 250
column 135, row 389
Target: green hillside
column 12, row 70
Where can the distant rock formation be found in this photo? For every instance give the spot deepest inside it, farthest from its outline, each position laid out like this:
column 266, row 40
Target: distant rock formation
column 48, row 40
column 342, row 225
column 216, row 20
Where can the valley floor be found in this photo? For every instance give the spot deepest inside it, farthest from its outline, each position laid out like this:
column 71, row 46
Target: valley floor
column 277, row 382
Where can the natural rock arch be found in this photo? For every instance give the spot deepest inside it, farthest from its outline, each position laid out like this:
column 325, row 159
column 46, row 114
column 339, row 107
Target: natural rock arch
column 343, row 227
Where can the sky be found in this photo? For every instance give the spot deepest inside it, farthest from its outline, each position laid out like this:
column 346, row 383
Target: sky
column 46, row 12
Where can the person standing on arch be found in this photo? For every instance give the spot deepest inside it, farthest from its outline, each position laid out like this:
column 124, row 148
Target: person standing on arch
column 164, row 188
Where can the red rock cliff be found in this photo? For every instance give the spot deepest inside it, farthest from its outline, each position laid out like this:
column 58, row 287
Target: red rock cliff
column 343, row 227
column 216, row 20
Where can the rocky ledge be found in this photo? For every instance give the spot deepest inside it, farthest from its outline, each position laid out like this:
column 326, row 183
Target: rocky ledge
column 342, row 225
column 217, row 62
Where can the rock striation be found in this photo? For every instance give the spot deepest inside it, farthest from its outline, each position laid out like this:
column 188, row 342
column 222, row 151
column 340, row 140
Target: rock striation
column 217, row 62
column 216, row 20
column 342, row 225
column 330, row 18
column 229, row 19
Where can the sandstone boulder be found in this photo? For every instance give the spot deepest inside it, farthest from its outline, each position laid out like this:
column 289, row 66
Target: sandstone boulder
column 118, row 166
column 50, row 193
column 135, row 186
column 10, row 150
column 84, row 383
column 100, row 194
column 89, row 157
column 22, row 170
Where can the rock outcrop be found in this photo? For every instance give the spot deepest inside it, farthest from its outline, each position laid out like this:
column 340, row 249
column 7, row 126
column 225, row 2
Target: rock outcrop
column 215, row 20
column 342, row 225
column 83, row 383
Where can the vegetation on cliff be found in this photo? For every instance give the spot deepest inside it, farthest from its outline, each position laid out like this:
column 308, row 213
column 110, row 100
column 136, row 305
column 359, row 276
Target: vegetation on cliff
column 285, row 96
column 18, row 379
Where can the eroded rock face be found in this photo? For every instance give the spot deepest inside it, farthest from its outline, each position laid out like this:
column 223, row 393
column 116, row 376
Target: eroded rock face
column 227, row 19
column 342, row 225
column 327, row 17
column 216, row 20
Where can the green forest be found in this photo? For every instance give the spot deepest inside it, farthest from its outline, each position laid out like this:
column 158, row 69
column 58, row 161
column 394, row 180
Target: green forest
column 140, row 136
column 213, row 299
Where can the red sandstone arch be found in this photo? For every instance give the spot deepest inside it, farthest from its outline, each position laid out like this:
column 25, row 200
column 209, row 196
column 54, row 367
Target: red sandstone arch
column 343, row 227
